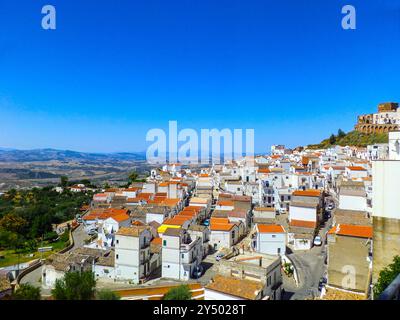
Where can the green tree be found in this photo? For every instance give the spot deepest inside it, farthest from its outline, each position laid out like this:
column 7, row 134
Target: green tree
column 332, row 139
column 133, row 177
column 13, row 223
column 386, row 276
column 107, row 295
column 7, row 238
column 341, row 134
column 75, row 286
column 63, row 181
column 26, row 292
column 50, row 236
column 181, row 292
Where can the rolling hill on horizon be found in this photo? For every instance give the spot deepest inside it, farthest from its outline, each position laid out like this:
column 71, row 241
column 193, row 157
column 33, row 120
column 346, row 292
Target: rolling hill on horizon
column 48, row 154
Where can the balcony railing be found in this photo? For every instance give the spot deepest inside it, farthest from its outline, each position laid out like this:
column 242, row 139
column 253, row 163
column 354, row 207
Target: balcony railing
column 392, row 292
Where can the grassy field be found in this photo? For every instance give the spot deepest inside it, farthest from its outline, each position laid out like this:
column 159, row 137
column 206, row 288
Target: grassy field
column 11, row 257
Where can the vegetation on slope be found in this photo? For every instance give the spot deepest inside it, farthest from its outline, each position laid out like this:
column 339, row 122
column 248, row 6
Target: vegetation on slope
column 27, row 216
column 353, row 138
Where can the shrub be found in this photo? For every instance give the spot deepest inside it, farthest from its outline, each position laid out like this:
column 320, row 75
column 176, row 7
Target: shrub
column 181, row 292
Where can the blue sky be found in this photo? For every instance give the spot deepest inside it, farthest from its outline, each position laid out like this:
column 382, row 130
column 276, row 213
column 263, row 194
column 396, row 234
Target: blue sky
column 112, row 70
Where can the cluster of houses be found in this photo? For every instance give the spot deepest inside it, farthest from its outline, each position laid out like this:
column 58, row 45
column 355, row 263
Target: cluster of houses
column 245, row 214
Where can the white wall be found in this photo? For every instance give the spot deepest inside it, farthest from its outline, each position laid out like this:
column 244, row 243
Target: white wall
column 158, row 217
column 303, row 214
column 299, row 245
column 386, row 186
column 214, row 295
column 347, row 202
column 104, row 272
column 221, row 239
column 52, row 275
column 170, row 257
column 269, row 243
column 129, row 256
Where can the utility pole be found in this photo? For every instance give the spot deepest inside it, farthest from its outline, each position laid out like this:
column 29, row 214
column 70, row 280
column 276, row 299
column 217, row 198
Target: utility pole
column 41, row 251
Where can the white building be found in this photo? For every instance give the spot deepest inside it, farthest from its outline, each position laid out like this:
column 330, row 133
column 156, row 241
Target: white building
column 180, row 254
column 386, row 206
column 132, row 253
column 302, row 211
column 270, row 239
column 353, row 200
column 224, row 234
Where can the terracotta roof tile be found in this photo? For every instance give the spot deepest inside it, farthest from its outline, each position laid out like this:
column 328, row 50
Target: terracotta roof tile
column 303, row 224
column 352, row 231
column 272, row 228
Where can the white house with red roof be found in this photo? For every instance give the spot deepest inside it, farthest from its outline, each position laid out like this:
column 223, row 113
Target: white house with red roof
column 356, row 172
column 270, row 239
column 224, row 233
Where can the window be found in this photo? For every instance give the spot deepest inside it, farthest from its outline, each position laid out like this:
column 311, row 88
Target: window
column 117, row 241
column 279, row 250
column 269, row 281
column 164, row 243
column 116, row 256
column 183, row 256
column 274, row 236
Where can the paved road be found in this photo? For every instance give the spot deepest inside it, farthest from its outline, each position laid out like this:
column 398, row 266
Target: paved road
column 210, row 270
column 80, row 236
column 34, row 277
column 310, row 269
column 310, row 266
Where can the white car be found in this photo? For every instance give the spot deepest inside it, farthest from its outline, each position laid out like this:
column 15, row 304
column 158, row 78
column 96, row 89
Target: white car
column 219, row 256
column 317, row 241
column 331, row 206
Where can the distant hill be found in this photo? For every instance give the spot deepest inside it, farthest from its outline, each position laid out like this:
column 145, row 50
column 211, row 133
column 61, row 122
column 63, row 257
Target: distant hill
column 353, row 138
column 12, row 155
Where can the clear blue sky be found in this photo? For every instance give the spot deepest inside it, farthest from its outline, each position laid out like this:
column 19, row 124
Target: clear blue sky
column 114, row 69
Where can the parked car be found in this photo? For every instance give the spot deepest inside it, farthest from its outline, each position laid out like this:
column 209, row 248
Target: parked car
column 219, row 256
column 282, row 211
column 327, row 215
column 317, row 241
column 321, row 285
column 92, row 232
column 198, row 272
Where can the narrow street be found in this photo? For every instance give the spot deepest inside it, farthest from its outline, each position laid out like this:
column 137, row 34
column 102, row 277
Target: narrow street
column 35, row 277
column 311, row 268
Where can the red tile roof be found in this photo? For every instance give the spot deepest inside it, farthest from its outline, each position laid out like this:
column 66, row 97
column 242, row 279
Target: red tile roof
column 307, row 193
column 221, row 226
column 270, row 228
column 352, row 231
column 303, row 223
column 356, row 168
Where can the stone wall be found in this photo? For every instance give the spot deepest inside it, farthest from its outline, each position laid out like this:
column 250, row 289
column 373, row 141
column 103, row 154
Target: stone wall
column 347, row 255
column 386, row 243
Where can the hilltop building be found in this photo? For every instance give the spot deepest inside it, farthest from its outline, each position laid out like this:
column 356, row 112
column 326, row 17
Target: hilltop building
column 386, row 120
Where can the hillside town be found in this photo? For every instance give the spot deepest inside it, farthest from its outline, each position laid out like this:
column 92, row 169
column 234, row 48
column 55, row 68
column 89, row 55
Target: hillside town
column 293, row 224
